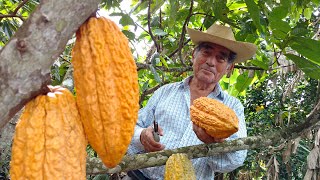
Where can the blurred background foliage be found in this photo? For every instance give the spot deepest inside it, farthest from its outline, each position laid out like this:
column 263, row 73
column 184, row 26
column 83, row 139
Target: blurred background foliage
column 278, row 87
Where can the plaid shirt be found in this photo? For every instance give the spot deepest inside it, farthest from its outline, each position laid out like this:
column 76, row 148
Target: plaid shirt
column 170, row 104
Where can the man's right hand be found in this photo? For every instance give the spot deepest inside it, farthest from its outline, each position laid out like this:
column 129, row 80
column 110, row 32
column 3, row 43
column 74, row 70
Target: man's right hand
column 149, row 144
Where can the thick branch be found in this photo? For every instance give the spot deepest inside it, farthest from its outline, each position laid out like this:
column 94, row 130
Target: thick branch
column 27, row 57
column 139, row 161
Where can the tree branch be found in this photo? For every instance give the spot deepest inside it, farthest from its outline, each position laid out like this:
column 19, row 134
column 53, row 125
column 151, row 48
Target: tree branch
column 183, row 33
column 189, row 68
column 27, row 57
column 139, row 161
column 19, row 6
column 11, row 16
column 14, row 13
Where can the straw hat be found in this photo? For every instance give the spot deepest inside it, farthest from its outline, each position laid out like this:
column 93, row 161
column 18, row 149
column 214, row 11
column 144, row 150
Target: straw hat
column 223, row 36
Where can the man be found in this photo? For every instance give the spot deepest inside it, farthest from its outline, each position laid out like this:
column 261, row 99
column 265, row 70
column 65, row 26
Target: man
column 214, row 56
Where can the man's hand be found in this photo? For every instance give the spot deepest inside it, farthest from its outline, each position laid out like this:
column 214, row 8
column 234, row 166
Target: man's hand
column 203, row 136
column 146, row 139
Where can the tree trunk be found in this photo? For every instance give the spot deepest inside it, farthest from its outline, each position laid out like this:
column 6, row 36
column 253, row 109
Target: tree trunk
column 27, row 57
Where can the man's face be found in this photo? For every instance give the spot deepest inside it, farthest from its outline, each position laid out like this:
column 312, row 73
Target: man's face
column 210, row 62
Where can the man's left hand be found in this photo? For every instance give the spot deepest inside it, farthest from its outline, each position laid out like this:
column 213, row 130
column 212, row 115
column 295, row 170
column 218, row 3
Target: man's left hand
column 204, row 136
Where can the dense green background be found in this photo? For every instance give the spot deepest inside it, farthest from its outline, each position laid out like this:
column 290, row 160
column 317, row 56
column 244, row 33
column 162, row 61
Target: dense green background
column 278, row 87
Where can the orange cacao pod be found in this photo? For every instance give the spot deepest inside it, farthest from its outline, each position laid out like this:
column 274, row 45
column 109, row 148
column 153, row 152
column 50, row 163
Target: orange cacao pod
column 107, row 91
column 216, row 118
column 49, row 140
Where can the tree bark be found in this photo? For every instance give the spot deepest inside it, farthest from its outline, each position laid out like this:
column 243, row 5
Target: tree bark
column 139, row 161
column 27, row 57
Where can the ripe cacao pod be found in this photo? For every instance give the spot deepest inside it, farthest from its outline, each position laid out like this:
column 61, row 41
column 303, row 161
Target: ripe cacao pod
column 179, row 167
column 49, row 140
column 107, row 91
column 216, row 118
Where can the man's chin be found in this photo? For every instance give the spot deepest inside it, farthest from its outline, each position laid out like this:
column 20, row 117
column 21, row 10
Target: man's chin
column 207, row 79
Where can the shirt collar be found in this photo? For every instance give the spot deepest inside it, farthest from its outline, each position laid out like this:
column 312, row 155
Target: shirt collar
column 216, row 93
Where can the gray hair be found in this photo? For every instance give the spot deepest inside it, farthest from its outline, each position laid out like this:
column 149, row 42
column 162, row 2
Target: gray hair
column 231, row 58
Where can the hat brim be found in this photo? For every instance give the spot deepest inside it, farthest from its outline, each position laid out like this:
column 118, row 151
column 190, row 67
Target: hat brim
column 243, row 50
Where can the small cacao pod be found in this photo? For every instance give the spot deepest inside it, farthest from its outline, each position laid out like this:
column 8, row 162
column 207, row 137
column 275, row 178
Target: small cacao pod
column 107, row 90
column 216, row 118
column 179, row 167
column 49, row 140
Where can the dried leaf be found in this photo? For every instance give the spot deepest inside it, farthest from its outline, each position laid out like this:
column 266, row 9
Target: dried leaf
column 295, row 145
column 270, row 167
column 251, row 73
column 312, row 158
column 317, row 139
column 276, row 165
column 270, row 162
column 287, row 153
column 308, row 175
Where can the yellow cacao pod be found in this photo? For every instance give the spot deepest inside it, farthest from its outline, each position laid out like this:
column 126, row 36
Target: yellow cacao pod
column 49, row 140
column 179, row 167
column 107, row 91
column 216, row 118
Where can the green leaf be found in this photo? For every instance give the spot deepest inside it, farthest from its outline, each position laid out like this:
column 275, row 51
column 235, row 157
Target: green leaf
column 317, row 2
column 237, row 6
column 306, row 47
column 145, row 86
column 157, row 5
column 164, row 62
column 299, row 31
column 101, row 177
column 159, row 32
column 155, row 59
column 243, row 82
column 174, row 8
column 155, row 74
column 126, row 20
column 130, row 35
column 308, row 67
column 254, row 13
column 279, row 13
column 220, row 10
column 307, row 13
column 277, row 24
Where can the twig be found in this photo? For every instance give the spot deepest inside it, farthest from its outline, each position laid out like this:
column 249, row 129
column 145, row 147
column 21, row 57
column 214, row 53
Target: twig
column 19, row 6
column 10, row 16
column 189, row 68
column 14, row 13
column 150, row 91
column 135, row 7
column 176, row 50
column 149, row 27
column 183, row 33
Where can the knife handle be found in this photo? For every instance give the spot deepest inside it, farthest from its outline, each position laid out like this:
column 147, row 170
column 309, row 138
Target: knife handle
column 156, row 136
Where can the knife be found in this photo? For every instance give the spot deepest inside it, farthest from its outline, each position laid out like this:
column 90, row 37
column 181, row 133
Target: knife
column 155, row 132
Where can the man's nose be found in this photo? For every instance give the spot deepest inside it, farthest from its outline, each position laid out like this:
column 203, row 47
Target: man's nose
column 211, row 61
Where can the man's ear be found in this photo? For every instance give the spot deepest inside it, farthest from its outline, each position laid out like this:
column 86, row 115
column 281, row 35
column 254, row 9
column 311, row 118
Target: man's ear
column 193, row 54
column 230, row 70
